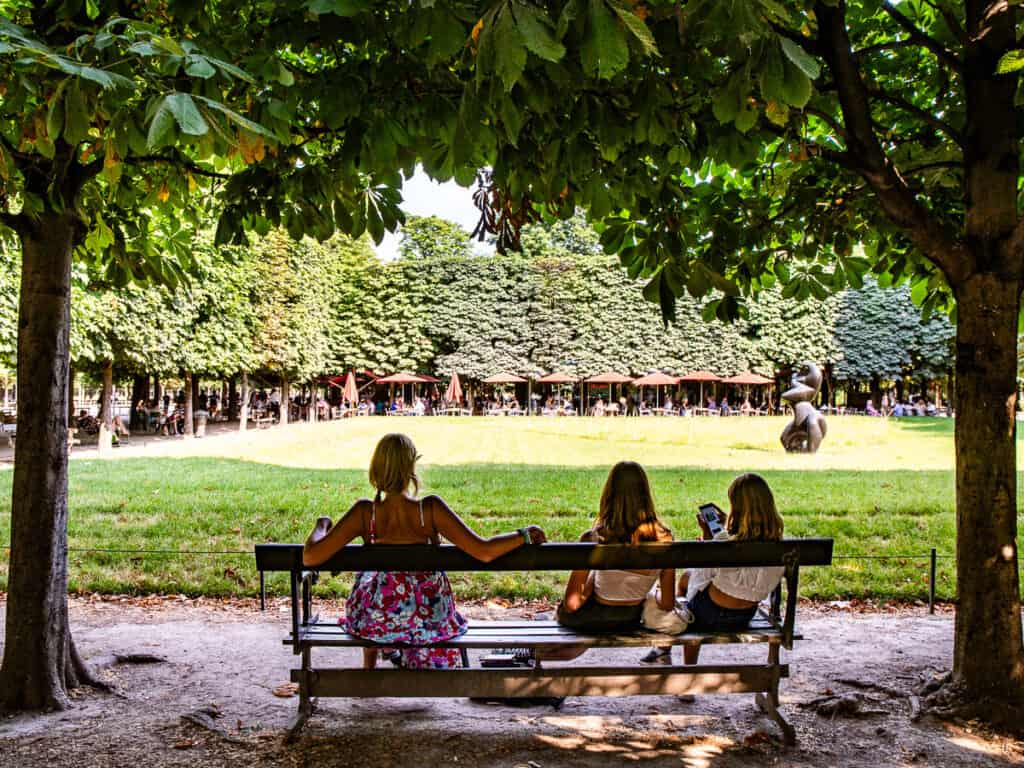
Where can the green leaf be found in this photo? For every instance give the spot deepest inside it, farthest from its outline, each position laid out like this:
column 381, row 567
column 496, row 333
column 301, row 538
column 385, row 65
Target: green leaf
column 337, row 7
column 652, row 291
column 509, row 51
column 636, row 27
column 537, row 33
column 76, row 115
column 796, row 87
column 604, row 51
column 186, row 114
column 55, row 114
column 285, row 76
column 244, row 122
column 1012, row 61
column 807, row 64
column 161, row 129
column 198, row 66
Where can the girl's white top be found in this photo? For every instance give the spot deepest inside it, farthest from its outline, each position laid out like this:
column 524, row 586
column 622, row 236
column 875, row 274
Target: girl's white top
column 624, row 586
column 751, row 584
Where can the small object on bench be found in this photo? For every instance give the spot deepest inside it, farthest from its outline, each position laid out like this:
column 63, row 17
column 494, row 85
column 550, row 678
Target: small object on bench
column 771, row 627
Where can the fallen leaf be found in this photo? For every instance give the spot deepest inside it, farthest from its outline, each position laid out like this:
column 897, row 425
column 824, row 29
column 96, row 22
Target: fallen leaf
column 286, row 690
column 185, row 744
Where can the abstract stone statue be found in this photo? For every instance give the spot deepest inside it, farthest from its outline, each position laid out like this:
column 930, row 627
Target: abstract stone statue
column 807, row 429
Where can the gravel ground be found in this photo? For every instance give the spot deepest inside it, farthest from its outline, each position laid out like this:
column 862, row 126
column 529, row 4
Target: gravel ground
column 227, row 657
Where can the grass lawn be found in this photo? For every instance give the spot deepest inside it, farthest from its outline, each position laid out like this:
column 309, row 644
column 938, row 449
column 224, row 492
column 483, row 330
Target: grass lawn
column 878, row 487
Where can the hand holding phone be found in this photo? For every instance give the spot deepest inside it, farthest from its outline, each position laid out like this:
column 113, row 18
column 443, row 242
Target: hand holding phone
column 711, row 517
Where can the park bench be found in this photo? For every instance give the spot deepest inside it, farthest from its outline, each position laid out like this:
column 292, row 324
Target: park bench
column 774, row 626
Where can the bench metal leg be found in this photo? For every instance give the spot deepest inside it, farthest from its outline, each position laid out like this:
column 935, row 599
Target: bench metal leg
column 306, row 704
column 769, row 702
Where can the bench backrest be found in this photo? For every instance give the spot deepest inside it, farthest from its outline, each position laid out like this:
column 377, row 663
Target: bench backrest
column 556, row 557
column 789, row 553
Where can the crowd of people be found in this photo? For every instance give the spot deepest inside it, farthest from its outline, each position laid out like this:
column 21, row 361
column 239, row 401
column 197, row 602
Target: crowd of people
column 894, row 406
column 416, row 609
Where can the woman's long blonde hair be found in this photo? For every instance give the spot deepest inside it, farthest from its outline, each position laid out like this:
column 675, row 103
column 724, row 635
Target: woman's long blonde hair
column 393, row 466
column 627, row 514
column 752, row 514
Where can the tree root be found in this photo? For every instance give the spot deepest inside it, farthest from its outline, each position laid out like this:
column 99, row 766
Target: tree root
column 78, row 673
column 946, row 699
column 204, row 718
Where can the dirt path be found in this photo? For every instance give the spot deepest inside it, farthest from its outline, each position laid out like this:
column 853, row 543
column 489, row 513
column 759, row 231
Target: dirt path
column 228, row 657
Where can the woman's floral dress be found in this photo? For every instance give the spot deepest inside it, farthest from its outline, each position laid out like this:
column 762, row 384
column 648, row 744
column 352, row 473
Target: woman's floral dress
column 406, row 608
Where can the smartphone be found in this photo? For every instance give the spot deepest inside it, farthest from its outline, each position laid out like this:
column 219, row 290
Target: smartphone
column 712, row 515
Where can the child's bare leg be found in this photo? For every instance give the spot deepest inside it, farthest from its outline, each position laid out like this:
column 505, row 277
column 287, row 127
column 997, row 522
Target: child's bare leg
column 683, row 584
column 369, row 658
column 691, row 652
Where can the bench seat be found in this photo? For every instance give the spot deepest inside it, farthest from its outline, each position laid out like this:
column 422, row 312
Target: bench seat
column 528, row 633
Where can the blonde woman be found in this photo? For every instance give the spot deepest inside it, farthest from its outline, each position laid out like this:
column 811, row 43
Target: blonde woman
column 405, row 607
column 609, row 601
column 726, row 599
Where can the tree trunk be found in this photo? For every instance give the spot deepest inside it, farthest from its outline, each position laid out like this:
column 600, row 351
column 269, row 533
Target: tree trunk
column 71, row 394
column 243, row 411
column 189, row 424
column 105, row 445
column 231, row 405
column 286, row 400
column 157, row 390
column 40, row 662
column 312, row 403
column 140, row 393
column 988, row 657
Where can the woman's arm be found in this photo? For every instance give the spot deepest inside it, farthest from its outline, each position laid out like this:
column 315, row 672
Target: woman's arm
column 667, row 589
column 581, row 583
column 453, row 528
column 325, row 540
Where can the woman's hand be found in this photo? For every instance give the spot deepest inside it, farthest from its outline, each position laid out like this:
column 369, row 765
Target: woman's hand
column 320, row 530
column 536, row 534
column 705, row 531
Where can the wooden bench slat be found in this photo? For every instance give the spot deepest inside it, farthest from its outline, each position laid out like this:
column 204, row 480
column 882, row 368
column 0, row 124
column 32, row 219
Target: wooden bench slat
column 548, row 634
column 555, row 557
column 546, row 681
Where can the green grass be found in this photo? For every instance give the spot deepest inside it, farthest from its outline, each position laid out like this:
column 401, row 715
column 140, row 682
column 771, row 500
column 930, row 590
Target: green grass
column 503, row 473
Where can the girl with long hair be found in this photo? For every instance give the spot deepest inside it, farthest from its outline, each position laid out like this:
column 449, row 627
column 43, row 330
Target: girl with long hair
column 407, row 607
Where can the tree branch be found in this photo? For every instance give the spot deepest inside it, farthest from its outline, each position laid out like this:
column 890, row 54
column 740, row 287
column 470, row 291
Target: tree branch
column 892, row 45
column 826, row 118
column 869, row 159
column 188, row 165
column 929, row 166
column 923, row 114
column 944, row 55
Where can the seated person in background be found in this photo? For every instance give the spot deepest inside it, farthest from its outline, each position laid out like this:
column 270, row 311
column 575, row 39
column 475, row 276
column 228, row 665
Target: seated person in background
column 712, row 405
column 726, row 599
column 898, row 409
column 406, row 607
column 746, row 408
column 869, row 408
column 117, row 424
column 724, row 408
column 87, row 423
column 599, row 407
column 612, row 601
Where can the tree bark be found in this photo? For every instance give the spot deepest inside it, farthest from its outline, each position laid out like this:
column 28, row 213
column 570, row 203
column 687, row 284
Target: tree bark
column 312, row 403
column 40, row 662
column 140, row 392
column 988, row 656
column 105, row 444
column 189, row 424
column 243, row 412
column 157, row 391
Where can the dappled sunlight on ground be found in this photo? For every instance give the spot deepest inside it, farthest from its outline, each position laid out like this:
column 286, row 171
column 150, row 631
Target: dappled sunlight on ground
column 723, row 443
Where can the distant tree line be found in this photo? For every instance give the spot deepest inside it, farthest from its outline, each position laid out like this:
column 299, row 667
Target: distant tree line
column 290, row 311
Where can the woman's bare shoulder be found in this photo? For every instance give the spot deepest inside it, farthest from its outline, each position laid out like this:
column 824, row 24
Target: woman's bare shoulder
column 590, row 536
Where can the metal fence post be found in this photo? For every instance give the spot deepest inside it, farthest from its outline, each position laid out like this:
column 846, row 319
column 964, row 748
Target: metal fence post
column 931, row 584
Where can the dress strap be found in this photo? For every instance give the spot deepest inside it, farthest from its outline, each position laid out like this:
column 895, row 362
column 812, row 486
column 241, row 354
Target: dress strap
column 373, row 521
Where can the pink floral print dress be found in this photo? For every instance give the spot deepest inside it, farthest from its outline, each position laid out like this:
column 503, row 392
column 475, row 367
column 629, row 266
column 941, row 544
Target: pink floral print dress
column 406, row 609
